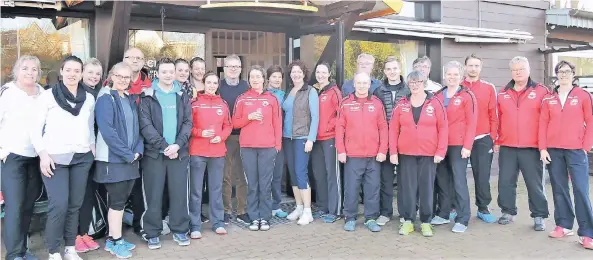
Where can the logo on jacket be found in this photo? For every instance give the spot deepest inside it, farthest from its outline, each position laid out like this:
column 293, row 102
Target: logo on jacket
column 354, row 108
column 506, row 96
column 323, row 98
column 265, row 103
column 457, row 102
column 553, row 102
column 219, row 112
column 248, row 103
column 574, row 102
column 371, row 108
column 531, row 95
column 429, row 110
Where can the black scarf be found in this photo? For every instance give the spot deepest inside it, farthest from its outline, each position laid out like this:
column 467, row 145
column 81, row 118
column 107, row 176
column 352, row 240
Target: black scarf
column 91, row 90
column 63, row 96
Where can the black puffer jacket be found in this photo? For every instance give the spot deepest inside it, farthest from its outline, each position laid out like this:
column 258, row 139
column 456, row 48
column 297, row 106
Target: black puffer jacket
column 384, row 93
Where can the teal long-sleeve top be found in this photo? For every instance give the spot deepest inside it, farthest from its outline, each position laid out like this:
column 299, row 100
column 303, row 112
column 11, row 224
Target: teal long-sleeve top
column 287, row 106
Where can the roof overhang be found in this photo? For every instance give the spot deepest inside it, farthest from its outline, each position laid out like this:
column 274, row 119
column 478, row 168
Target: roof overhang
column 461, row 34
column 567, row 17
column 42, row 4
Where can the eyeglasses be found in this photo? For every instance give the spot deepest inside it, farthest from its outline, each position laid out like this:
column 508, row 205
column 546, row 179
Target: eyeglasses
column 420, row 82
column 120, row 77
column 134, row 58
column 233, row 67
column 564, row 72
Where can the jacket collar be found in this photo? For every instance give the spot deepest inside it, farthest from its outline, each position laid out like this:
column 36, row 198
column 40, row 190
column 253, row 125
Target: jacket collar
column 429, row 95
column 460, row 90
column 530, row 84
column 555, row 90
column 369, row 97
column 401, row 82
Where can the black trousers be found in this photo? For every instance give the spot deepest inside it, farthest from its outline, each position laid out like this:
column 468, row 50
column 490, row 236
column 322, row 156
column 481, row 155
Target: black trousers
column 511, row 160
column 175, row 172
column 387, row 178
column 21, row 185
column 481, row 161
column 88, row 203
column 326, row 170
column 452, row 187
column 65, row 192
column 416, row 180
column 365, row 172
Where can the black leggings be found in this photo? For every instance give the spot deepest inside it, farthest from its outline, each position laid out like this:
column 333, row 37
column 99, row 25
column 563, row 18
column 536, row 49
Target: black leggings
column 118, row 193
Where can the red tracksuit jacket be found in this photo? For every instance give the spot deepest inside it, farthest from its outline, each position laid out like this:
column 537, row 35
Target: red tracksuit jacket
column 518, row 115
column 485, row 94
column 427, row 138
column 209, row 113
column 569, row 126
column 462, row 117
column 258, row 134
column 361, row 130
column 330, row 98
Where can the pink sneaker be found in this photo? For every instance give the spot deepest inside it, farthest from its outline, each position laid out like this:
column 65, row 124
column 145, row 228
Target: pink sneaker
column 1, row 198
column 90, row 243
column 587, row 242
column 80, row 246
column 560, row 232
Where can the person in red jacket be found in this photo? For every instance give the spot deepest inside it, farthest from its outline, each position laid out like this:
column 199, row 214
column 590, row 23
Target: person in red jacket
column 257, row 114
column 361, row 142
column 519, row 105
column 486, row 131
column 211, row 127
column 418, row 140
column 323, row 157
column 451, row 179
column 563, row 144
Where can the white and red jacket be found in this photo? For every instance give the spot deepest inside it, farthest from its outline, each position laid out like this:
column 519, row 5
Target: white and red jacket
column 330, row 99
column 209, row 112
column 568, row 126
column 485, row 93
column 518, row 115
column 361, row 129
column 427, row 138
column 266, row 133
column 462, row 117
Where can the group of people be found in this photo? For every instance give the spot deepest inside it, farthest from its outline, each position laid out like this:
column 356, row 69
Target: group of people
column 146, row 141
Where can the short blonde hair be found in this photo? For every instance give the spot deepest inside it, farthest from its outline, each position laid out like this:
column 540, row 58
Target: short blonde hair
column 21, row 60
column 365, row 56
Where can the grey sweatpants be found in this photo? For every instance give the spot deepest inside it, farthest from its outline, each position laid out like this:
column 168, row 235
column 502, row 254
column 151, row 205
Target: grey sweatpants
column 198, row 165
column 259, row 170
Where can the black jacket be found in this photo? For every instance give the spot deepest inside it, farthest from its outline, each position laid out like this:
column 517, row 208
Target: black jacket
column 151, row 124
column 384, row 94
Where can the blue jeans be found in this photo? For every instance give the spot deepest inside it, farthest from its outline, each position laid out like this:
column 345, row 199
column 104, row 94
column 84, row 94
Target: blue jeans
column 298, row 162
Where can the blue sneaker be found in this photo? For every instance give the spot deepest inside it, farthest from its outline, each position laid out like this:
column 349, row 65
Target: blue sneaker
column 329, row 218
column 182, row 239
column 372, row 225
column 452, row 215
column 279, row 213
column 119, row 249
column 487, row 217
column 154, row 243
column 350, row 225
column 128, row 245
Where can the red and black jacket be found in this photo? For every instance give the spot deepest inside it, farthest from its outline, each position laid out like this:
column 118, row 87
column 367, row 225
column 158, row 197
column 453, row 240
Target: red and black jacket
column 330, row 99
column 209, row 112
column 266, row 133
column 361, row 129
column 485, row 93
column 568, row 126
column 462, row 117
column 518, row 115
column 427, row 138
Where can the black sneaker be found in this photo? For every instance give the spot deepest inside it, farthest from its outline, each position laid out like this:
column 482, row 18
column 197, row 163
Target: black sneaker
column 264, row 226
column 254, row 226
column 205, row 219
column 243, row 218
column 227, row 218
column 140, row 233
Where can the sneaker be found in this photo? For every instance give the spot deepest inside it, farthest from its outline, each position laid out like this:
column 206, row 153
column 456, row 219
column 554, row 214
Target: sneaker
column 318, row 214
column 487, row 217
column 204, row 219
column 406, row 228
column 382, row 220
column 109, row 243
column 70, row 254
column 29, row 256
column 329, row 218
column 439, row 221
column 295, row 214
column 263, row 225
column 55, row 256
column 227, row 218
column 243, row 218
column 1, row 198
column 426, row 229
column 505, row 219
column 195, row 235
column 459, row 228
column 90, row 243
column 305, row 219
column 402, row 220
column 140, row 233
column 166, row 230
column 560, row 232
column 182, row 239
column 119, row 249
column 350, row 225
column 254, row 225
column 587, row 242
column 539, row 224
column 220, row 231
column 279, row 213
column 452, row 215
column 80, row 246
column 372, row 225
column 18, row 257
column 154, row 243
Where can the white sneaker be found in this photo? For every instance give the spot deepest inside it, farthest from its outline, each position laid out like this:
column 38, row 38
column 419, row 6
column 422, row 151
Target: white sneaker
column 166, row 229
column 70, row 254
column 459, row 228
column 305, row 219
column 295, row 214
column 439, row 221
column 382, row 220
column 55, row 256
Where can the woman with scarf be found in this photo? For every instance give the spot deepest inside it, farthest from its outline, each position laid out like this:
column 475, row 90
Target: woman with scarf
column 63, row 134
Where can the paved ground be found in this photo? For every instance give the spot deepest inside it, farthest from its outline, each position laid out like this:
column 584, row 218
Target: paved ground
column 325, row 241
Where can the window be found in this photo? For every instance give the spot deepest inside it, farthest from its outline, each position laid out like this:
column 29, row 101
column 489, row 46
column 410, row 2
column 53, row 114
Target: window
column 51, row 40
